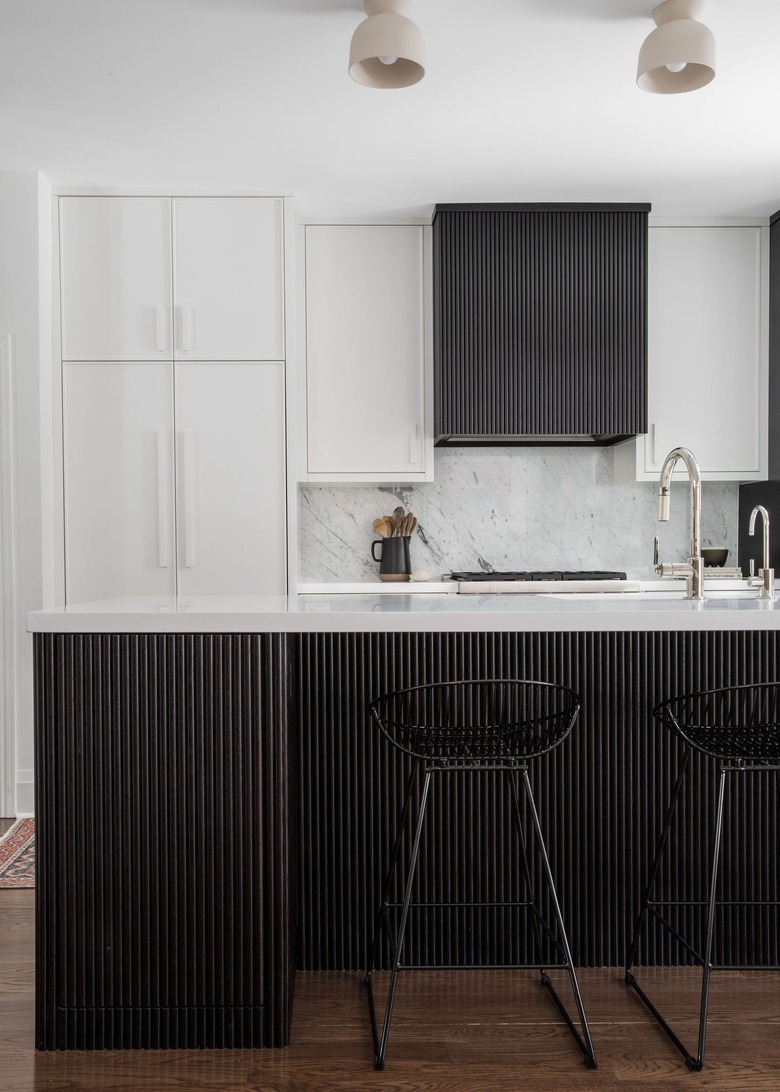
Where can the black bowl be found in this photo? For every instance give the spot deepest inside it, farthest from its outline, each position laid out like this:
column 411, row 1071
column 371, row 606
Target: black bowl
column 714, row 558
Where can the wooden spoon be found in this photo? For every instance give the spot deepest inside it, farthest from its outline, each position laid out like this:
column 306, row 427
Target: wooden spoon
column 380, row 526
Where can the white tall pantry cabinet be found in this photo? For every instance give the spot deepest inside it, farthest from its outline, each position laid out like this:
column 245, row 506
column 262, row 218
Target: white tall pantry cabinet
column 173, row 347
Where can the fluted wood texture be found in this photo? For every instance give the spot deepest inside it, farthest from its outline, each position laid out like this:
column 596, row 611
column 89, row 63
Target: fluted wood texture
column 601, row 795
column 162, row 825
column 164, row 775
column 540, row 322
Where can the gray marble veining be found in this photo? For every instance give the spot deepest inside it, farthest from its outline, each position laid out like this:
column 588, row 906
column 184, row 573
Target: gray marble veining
column 511, row 508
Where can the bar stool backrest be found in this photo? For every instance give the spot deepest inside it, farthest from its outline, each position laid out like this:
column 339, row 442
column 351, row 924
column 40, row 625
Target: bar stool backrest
column 477, row 720
column 734, row 722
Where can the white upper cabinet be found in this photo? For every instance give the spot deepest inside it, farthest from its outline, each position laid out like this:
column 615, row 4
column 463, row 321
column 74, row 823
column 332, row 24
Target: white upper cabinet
column 115, row 275
column 368, row 357
column 231, row 497
column 707, row 353
column 228, row 278
column 151, row 278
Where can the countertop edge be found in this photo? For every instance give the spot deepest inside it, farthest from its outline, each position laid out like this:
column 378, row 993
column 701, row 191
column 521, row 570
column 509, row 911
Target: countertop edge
column 321, row 619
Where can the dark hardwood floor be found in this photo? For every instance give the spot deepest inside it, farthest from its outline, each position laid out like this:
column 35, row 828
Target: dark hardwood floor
column 453, row 1031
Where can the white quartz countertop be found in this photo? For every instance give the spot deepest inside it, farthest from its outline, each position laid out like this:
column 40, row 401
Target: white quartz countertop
column 419, row 612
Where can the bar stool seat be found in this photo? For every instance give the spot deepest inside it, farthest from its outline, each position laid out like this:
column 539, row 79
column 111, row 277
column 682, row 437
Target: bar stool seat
column 494, row 725
column 739, row 726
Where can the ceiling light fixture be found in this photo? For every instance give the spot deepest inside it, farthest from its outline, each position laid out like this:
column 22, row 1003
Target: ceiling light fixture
column 387, row 49
column 679, row 55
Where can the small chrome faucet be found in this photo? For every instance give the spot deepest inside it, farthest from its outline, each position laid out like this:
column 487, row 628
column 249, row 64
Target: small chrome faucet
column 766, row 576
column 693, row 569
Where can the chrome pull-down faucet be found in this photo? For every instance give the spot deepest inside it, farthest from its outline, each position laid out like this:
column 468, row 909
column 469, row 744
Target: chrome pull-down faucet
column 766, row 576
column 693, row 569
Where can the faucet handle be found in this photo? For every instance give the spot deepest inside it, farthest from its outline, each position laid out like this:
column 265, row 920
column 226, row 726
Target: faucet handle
column 752, row 571
column 656, row 551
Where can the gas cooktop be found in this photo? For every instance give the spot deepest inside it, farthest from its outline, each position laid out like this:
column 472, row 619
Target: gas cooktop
column 537, row 575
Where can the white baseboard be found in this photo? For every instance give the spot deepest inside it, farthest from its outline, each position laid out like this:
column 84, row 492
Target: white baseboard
column 25, row 799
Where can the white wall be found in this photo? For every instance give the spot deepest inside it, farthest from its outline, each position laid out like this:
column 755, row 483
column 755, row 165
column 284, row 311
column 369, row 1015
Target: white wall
column 512, row 508
column 25, row 308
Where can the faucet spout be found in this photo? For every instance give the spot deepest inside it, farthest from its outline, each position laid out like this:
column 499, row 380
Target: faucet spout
column 766, row 575
column 695, row 567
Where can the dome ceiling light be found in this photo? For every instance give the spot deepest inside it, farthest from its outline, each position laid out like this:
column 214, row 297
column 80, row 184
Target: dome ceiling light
column 679, row 55
column 387, row 49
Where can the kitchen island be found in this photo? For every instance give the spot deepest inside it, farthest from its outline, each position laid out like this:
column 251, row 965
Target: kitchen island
column 214, row 806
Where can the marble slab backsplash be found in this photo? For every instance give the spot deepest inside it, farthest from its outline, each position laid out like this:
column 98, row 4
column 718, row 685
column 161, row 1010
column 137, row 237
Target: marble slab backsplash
column 511, row 508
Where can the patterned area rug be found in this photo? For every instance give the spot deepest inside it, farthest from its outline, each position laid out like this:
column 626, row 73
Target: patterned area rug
column 17, row 855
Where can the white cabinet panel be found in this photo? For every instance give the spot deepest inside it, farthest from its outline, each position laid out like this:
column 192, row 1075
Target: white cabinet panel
column 704, row 346
column 366, row 352
column 119, row 534
column 115, row 255
column 231, row 507
column 229, row 278
column 174, row 471
column 148, row 278
column 707, row 345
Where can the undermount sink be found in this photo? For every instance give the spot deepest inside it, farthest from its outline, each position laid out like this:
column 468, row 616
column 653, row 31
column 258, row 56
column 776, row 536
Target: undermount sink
column 613, row 597
column 656, row 596
column 652, row 590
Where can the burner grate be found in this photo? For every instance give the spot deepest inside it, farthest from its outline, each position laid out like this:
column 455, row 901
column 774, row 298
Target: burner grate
column 596, row 574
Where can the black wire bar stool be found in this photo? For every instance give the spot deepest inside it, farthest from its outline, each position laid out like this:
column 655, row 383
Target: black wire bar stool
column 476, row 725
column 740, row 727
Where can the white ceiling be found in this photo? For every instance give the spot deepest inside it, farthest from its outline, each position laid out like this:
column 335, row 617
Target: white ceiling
column 523, row 100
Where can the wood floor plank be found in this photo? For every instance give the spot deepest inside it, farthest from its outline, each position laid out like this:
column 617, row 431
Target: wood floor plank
column 492, row 1031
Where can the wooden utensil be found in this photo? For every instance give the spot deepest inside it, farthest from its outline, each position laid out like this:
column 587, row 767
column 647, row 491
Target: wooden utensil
column 381, row 527
column 398, row 518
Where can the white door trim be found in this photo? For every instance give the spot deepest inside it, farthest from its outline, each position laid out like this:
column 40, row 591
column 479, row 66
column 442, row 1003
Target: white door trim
column 7, row 585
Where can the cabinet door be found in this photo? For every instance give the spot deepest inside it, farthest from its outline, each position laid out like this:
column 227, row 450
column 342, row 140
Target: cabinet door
column 229, row 278
column 365, row 350
column 705, row 347
column 115, row 269
column 231, row 503
column 118, row 480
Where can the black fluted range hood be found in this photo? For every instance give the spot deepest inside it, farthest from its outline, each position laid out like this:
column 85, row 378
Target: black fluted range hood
column 540, row 323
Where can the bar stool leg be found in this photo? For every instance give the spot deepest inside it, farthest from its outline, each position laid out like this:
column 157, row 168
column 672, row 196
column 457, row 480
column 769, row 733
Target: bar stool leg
column 380, row 1045
column 696, row 1062
column 381, row 920
column 630, row 980
column 536, row 912
column 584, row 1040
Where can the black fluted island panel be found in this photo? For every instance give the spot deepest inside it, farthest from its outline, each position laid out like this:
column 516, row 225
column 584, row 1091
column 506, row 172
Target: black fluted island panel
column 602, row 795
column 168, row 769
column 163, row 897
